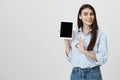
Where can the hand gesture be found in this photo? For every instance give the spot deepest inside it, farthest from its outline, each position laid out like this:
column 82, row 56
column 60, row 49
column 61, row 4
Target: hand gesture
column 80, row 45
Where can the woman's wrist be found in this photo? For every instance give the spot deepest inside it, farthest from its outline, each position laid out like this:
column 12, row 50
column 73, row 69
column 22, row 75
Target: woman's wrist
column 90, row 54
column 67, row 43
column 85, row 51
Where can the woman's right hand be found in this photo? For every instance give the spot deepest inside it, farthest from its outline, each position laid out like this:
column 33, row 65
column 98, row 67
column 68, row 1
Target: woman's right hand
column 67, row 45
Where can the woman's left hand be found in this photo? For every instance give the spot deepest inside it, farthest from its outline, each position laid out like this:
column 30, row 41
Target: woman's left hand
column 80, row 45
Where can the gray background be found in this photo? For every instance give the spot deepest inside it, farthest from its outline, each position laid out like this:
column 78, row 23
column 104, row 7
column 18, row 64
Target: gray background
column 30, row 48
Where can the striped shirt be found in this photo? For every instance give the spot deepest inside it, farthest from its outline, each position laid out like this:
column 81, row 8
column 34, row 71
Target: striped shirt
column 78, row 59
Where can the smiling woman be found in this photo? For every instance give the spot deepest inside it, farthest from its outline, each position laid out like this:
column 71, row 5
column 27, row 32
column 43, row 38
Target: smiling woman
column 87, row 16
column 87, row 50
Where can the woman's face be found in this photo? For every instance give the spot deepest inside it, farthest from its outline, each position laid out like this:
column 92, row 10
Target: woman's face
column 87, row 17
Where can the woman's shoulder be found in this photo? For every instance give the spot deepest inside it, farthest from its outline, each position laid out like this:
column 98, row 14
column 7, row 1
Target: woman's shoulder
column 74, row 34
column 101, row 33
column 75, row 31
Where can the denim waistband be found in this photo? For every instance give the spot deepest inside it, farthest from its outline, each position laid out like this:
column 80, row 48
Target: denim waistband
column 85, row 69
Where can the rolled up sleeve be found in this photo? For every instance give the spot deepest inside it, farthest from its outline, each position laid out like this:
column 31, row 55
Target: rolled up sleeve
column 69, row 56
column 102, row 53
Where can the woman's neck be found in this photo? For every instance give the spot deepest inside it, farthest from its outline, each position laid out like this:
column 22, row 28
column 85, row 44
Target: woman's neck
column 86, row 29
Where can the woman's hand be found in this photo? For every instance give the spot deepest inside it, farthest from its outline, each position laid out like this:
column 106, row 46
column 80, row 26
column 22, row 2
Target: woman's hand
column 67, row 45
column 80, row 45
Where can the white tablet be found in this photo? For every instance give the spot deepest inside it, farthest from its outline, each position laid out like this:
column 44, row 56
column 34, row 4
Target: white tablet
column 66, row 30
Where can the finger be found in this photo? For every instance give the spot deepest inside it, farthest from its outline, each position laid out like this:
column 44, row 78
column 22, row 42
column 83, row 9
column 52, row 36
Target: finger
column 80, row 39
column 77, row 45
column 66, row 41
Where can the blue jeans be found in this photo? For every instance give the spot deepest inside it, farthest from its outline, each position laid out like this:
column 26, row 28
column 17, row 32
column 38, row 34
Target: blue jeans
column 86, row 74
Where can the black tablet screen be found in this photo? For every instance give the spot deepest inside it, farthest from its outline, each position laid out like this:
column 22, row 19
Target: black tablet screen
column 66, row 29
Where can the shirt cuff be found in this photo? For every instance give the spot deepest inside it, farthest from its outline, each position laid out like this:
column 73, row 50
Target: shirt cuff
column 68, row 57
column 101, row 59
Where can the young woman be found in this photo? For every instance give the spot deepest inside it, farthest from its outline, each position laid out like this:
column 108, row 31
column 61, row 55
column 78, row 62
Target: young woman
column 87, row 50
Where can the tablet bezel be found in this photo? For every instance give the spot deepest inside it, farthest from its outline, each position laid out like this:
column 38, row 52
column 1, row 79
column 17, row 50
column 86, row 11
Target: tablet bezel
column 71, row 31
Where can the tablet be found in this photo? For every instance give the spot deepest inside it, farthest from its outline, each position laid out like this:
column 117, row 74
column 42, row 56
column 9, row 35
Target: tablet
column 66, row 30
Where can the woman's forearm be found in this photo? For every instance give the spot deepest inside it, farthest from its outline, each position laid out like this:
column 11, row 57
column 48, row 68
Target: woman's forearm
column 67, row 46
column 90, row 54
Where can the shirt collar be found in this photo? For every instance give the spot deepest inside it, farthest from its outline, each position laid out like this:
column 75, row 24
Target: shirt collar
column 80, row 29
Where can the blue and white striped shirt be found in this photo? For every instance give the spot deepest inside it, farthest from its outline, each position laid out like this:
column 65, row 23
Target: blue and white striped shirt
column 78, row 59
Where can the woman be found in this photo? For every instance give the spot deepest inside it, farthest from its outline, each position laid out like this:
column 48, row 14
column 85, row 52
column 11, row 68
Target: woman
column 87, row 50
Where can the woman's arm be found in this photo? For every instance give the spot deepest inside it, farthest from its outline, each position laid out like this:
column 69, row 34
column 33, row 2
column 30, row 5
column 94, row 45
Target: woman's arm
column 67, row 46
column 80, row 47
column 90, row 54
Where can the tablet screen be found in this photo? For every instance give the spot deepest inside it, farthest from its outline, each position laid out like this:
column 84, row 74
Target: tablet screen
column 66, row 30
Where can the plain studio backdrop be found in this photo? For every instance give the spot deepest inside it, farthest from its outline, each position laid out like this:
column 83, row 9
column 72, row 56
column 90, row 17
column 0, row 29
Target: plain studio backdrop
column 30, row 48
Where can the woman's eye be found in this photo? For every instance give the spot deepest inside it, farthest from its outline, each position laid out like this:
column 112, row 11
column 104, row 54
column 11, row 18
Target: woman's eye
column 92, row 13
column 85, row 14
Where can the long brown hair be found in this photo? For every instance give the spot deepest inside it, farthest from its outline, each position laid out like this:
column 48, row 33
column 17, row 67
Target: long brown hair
column 94, row 26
